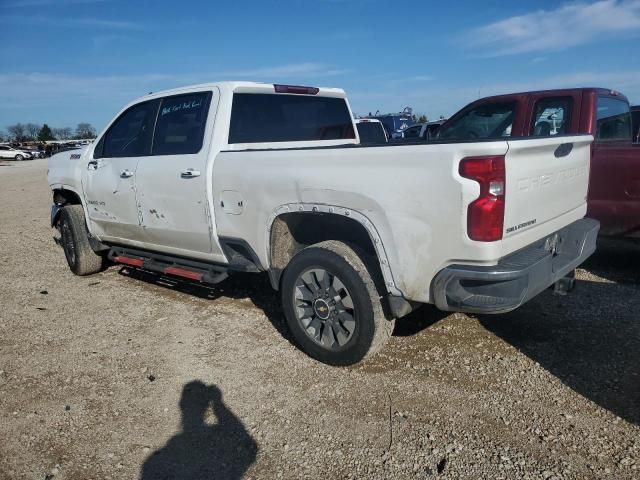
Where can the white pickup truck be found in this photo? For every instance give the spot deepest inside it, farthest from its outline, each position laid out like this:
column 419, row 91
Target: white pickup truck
column 204, row 181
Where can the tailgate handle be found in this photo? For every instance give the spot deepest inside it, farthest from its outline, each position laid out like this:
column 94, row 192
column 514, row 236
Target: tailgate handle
column 190, row 173
column 563, row 150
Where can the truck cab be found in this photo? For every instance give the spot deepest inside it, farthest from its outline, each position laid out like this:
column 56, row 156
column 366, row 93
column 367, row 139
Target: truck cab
column 614, row 189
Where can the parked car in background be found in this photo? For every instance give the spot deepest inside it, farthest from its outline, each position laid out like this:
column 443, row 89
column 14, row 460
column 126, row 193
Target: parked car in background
column 395, row 123
column 614, row 190
column 635, row 121
column 203, row 181
column 7, row 151
column 35, row 152
column 371, row 131
column 423, row 131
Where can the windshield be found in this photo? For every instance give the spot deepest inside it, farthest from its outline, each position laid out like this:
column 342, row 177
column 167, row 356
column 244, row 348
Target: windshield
column 485, row 121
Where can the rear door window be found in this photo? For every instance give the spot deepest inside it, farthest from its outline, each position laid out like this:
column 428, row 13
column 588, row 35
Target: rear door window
column 551, row 116
column 130, row 135
column 258, row 118
column 613, row 119
column 181, row 123
column 492, row 120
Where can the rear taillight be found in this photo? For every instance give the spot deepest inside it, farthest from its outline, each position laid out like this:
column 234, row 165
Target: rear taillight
column 485, row 215
column 296, row 89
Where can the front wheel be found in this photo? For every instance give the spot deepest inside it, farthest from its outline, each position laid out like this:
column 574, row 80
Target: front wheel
column 332, row 304
column 19, row 158
column 74, row 237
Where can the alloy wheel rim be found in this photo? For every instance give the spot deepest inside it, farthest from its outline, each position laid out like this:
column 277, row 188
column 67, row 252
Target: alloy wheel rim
column 324, row 308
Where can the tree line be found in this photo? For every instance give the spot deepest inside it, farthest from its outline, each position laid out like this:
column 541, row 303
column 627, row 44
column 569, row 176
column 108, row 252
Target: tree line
column 31, row 132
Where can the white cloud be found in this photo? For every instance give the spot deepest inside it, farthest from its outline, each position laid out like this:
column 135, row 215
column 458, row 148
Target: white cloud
column 66, row 22
column 568, row 26
column 52, row 93
column 43, row 3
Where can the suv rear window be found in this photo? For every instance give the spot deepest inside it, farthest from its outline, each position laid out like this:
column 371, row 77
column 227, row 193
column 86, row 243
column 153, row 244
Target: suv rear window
column 258, row 117
column 613, row 119
column 371, row 132
column 491, row 120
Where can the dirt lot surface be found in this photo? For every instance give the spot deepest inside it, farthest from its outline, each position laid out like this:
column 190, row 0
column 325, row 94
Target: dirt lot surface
column 120, row 375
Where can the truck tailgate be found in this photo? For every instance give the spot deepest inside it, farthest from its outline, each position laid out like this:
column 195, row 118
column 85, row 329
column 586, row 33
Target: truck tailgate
column 546, row 180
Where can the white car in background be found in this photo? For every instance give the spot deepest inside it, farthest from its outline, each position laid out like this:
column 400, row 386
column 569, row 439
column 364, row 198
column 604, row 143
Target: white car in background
column 9, row 152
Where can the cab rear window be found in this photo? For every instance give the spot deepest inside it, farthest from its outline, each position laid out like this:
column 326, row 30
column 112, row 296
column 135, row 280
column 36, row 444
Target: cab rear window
column 259, row 118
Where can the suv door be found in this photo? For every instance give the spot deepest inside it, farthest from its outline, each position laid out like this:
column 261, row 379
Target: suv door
column 171, row 184
column 109, row 178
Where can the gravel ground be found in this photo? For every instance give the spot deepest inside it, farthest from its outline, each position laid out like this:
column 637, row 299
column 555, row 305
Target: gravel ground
column 122, row 375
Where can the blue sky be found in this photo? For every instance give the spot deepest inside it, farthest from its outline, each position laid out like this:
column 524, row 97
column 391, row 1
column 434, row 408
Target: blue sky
column 69, row 61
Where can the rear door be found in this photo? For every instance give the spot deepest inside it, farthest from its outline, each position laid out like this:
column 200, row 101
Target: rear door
column 109, row 175
column 171, row 183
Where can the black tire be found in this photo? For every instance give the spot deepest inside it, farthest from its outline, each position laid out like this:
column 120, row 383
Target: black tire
column 372, row 329
column 80, row 256
column 19, row 158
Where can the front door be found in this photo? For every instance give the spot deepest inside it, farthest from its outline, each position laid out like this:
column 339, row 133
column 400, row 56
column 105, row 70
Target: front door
column 109, row 176
column 171, row 184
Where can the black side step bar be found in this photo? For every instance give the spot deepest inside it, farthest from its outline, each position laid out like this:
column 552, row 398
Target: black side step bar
column 168, row 265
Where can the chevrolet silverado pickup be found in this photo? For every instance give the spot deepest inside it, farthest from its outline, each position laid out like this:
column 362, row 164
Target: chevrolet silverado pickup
column 204, row 181
column 614, row 189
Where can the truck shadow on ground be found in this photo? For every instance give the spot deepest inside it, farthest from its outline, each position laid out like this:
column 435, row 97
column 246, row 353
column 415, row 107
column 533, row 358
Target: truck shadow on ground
column 590, row 340
column 255, row 287
column 616, row 260
column 223, row 450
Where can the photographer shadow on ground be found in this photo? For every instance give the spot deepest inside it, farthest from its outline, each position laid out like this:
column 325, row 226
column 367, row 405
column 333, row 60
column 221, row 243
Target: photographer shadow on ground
column 223, row 450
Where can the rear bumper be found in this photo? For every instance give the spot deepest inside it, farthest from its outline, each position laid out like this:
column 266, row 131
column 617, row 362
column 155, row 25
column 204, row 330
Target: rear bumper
column 518, row 277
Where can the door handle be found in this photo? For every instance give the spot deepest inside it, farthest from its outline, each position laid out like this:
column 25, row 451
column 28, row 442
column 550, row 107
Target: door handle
column 190, row 173
column 92, row 165
column 126, row 174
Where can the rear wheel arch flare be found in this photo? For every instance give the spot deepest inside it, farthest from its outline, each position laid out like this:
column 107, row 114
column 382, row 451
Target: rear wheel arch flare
column 288, row 234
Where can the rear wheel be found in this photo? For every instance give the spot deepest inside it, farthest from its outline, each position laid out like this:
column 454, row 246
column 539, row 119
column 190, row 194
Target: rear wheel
column 332, row 304
column 80, row 256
